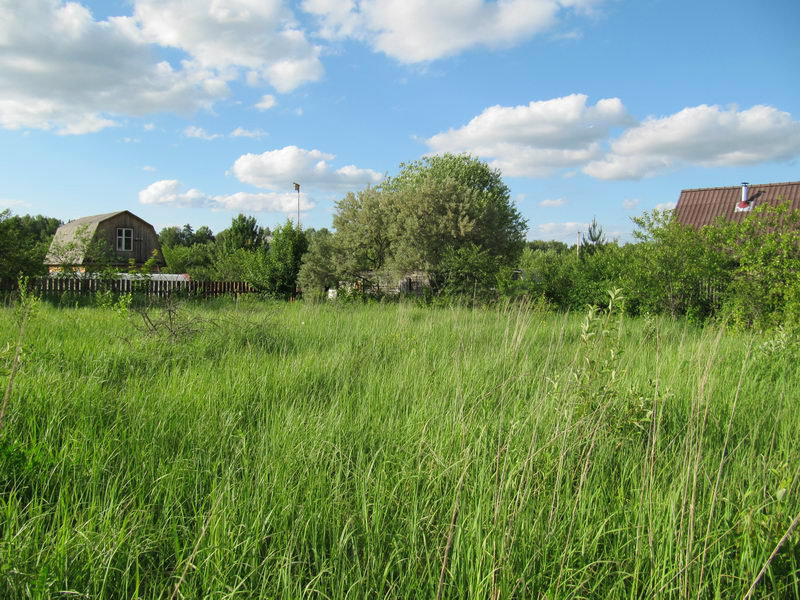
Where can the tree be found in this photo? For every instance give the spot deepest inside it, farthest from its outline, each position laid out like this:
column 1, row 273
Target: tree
column 195, row 260
column 362, row 239
column 171, row 237
column 441, row 204
column 24, row 241
column 185, row 236
column 673, row 266
column 275, row 271
column 318, row 271
column 203, row 235
column 545, row 245
column 764, row 251
column 243, row 234
column 594, row 239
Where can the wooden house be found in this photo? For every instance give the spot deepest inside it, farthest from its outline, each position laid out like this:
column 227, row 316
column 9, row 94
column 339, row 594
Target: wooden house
column 703, row 206
column 112, row 240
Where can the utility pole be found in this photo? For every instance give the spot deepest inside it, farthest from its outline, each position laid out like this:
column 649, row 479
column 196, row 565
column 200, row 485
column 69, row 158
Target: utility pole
column 297, row 189
column 578, row 245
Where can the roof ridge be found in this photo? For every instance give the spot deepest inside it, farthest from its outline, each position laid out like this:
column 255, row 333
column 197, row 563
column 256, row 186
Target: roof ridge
column 102, row 216
column 736, row 187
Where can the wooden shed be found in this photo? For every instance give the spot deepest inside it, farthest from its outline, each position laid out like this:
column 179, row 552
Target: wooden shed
column 703, row 206
column 113, row 238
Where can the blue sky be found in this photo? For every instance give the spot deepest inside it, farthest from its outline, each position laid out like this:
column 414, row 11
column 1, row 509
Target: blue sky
column 191, row 111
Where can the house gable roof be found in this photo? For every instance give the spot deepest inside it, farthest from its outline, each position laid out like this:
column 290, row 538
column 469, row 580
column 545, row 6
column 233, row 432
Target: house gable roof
column 703, row 206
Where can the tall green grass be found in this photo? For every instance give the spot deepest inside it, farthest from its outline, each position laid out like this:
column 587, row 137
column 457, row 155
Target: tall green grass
column 295, row 451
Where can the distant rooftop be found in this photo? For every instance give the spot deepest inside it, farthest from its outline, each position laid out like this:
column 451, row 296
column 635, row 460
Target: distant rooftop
column 703, row 206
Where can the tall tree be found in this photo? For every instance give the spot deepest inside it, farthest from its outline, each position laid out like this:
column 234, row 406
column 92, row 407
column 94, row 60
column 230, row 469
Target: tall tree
column 318, row 271
column 362, row 222
column 442, row 204
column 244, row 233
column 24, row 241
column 275, row 270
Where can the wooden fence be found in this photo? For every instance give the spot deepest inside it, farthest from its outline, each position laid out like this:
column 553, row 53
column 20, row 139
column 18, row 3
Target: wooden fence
column 54, row 286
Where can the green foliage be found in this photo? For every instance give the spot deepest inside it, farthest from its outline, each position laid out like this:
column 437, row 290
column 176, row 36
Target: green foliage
column 673, row 267
column 233, row 265
column 468, row 271
column 441, row 203
column 24, row 241
column 185, row 236
column 318, row 271
column 544, row 245
column 275, row 271
column 765, row 286
column 196, row 260
column 436, row 213
column 361, row 246
column 244, row 233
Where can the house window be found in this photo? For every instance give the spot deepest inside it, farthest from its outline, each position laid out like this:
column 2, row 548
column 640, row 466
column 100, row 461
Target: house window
column 124, row 239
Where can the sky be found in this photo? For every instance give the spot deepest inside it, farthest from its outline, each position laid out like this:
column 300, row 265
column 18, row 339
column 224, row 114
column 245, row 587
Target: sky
column 192, row 111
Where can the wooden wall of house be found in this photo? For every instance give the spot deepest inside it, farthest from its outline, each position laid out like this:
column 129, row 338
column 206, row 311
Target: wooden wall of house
column 145, row 238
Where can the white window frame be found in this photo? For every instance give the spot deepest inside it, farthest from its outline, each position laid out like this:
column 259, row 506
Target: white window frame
column 124, row 234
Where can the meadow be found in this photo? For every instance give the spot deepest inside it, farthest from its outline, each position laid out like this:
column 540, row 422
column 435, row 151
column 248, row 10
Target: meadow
column 397, row 451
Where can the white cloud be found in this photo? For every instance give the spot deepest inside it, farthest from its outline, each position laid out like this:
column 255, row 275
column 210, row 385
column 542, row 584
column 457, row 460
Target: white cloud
column 193, row 131
column 11, row 203
column 422, row 30
column 553, row 202
column 566, row 231
column 279, row 169
column 169, row 192
column 534, row 139
column 148, row 168
column 149, row 126
column 666, row 206
column 259, row 37
column 268, row 101
column 250, row 133
column 630, row 203
column 131, row 140
column 62, row 70
column 707, row 136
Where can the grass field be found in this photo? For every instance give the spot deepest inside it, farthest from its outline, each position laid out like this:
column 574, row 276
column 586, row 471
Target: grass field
column 296, row 451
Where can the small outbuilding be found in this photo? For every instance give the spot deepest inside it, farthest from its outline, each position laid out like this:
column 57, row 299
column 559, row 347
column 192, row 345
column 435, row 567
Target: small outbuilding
column 111, row 239
column 704, row 206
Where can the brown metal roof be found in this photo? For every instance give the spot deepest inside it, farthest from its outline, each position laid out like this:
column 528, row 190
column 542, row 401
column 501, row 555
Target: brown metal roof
column 704, row 206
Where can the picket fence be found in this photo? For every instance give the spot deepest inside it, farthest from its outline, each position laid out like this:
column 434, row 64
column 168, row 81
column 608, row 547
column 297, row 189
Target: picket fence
column 54, row 286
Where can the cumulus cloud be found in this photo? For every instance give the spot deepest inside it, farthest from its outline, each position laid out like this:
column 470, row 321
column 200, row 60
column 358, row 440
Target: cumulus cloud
column 259, row 37
column 535, row 139
column 249, row 133
column 279, row 169
column 566, row 231
column 707, row 136
column 170, row 192
column 63, row 70
column 630, row 203
column 192, row 131
column 148, row 168
column 267, row 101
column 553, row 202
column 666, row 206
column 414, row 31
column 12, row 203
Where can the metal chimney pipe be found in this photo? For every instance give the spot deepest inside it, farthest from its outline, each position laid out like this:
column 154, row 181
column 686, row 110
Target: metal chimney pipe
column 744, row 192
